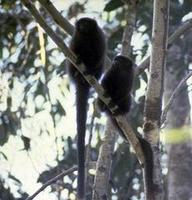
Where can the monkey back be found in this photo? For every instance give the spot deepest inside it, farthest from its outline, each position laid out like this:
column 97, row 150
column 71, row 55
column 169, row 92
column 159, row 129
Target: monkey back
column 88, row 43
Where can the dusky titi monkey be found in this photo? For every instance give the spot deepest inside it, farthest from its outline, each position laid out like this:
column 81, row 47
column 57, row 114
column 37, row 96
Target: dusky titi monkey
column 89, row 44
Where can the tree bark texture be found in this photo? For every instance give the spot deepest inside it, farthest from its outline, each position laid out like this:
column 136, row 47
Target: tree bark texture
column 153, row 103
column 103, row 167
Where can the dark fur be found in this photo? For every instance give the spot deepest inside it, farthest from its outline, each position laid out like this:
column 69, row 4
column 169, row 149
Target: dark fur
column 88, row 43
column 117, row 83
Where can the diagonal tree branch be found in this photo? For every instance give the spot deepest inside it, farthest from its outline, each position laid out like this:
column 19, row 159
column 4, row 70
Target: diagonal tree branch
column 173, row 37
column 57, row 17
column 51, row 181
column 129, row 29
column 174, row 94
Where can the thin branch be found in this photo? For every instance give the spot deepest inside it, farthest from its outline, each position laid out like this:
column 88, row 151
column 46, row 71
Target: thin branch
column 25, row 60
column 174, row 94
column 51, row 181
column 140, row 69
column 49, row 31
column 180, row 31
column 57, row 17
column 127, row 130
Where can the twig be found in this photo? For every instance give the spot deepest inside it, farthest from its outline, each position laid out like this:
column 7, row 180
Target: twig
column 174, row 94
column 51, row 181
column 180, row 31
column 90, row 79
column 24, row 61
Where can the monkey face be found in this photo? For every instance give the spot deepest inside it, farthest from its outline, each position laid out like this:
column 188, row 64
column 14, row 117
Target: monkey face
column 123, row 62
column 127, row 63
column 86, row 25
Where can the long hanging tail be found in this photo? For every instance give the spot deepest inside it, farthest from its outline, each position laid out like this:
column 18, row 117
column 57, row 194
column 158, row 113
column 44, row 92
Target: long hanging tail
column 148, row 168
column 82, row 93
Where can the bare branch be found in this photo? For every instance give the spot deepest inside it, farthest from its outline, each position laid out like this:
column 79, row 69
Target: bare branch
column 57, row 17
column 180, row 31
column 174, row 94
column 140, row 69
column 49, row 31
column 51, row 181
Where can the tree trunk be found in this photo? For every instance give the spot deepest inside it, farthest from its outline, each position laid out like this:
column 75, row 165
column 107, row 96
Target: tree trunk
column 152, row 111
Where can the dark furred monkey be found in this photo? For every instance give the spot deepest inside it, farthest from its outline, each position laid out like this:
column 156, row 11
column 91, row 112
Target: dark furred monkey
column 88, row 43
column 117, row 83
